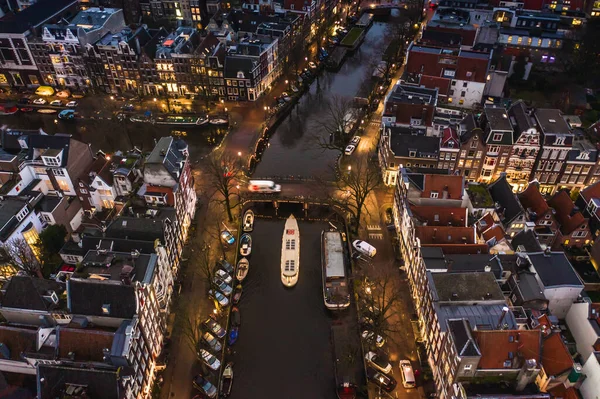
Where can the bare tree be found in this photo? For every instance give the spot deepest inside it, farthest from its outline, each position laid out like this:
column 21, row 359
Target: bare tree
column 192, row 331
column 22, row 257
column 354, row 187
column 224, row 173
column 332, row 130
column 380, row 302
column 398, row 32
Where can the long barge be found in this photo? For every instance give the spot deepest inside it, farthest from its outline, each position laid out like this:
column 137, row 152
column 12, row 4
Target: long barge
column 336, row 292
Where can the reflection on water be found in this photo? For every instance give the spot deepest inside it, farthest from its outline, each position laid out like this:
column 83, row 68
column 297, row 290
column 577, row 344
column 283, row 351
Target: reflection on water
column 112, row 135
column 293, row 149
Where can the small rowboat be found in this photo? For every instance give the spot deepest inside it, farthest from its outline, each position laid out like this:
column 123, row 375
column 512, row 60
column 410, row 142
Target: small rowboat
column 233, row 335
column 227, row 380
column 237, row 294
column 242, row 269
column 248, row 221
column 245, row 244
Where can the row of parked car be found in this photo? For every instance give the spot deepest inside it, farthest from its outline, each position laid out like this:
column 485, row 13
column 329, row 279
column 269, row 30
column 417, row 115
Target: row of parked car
column 213, row 334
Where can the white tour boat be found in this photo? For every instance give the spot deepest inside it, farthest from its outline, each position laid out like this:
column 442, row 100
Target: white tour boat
column 290, row 252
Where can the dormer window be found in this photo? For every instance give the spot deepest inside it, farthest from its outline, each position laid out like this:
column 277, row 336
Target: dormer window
column 498, row 136
column 412, row 153
column 51, row 161
column 434, row 194
column 560, row 141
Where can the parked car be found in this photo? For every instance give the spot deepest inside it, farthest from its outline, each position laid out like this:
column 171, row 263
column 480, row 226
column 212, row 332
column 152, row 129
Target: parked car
column 217, row 296
column 72, row 104
column 407, row 374
column 378, row 361
column 66, row 114
column 312, row 65
column 209, row 359
column 215, row 327
column 204, row 386
column 225, row 266
column 39, row 101
column 355, row 140
column 349, row 149
column 224, row 275
column 364, row 248
column 56, row 103
column 371, row 337
column 227, row 237
column 386, row 382
column 211, row 341
column 224, row 288
column 63, row 94
column 26, row 109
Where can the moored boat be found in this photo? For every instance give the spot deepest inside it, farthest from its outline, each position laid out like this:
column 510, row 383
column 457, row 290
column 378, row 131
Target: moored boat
column 227, row 380
column 236, row 317
column 290, row 252
column 336, row 293
column 245, row 244
column 237, row 294
column 233, row 335
column 242, row 269
column 248, row 221
column 218, row 121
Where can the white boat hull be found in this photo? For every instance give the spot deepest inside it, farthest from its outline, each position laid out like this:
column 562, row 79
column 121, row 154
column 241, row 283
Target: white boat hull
column 290, row 253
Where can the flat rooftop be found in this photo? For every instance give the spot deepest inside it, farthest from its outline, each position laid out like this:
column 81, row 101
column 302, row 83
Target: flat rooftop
column 459, row 287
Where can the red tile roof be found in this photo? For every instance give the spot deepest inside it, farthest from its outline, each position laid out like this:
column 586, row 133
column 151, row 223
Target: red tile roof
column 560, row 392
column 495, row 346
column 496, row 231
column 85, row 345
column 461, row 249
column 440, row 216
column 556, row 358
column 563, row 205
column 18, row 340
column 485, row 223
column 445, row 235
column 449, row 134
column 532, row 198
column 436, row 82
column 439, row 183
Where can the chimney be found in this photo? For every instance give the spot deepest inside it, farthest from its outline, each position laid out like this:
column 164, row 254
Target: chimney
column 504, row 312
column 527, row 374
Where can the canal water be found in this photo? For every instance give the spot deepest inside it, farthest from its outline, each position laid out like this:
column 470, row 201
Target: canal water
column 112, row 135
column 293, row 149
column 284, row 348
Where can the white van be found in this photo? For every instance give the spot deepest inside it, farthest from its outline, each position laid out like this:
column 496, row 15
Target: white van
column 364, row 248
column 263, row 186
column 407, row 374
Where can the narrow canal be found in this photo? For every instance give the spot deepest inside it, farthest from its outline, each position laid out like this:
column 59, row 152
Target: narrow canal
column 285, row 349
column 111, row 135
column 294, row 149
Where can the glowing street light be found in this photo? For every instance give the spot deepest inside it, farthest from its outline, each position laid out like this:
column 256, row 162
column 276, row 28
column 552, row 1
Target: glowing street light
column 349, row 168
column 112, row 97
column 154, row 99
column 239, row 153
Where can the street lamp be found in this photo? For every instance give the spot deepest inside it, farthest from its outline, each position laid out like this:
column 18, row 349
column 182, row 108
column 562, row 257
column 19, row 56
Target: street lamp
column 112, row 97
column 225, row 109
column 380, row 384
column 239, row 153
column 154, row 99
